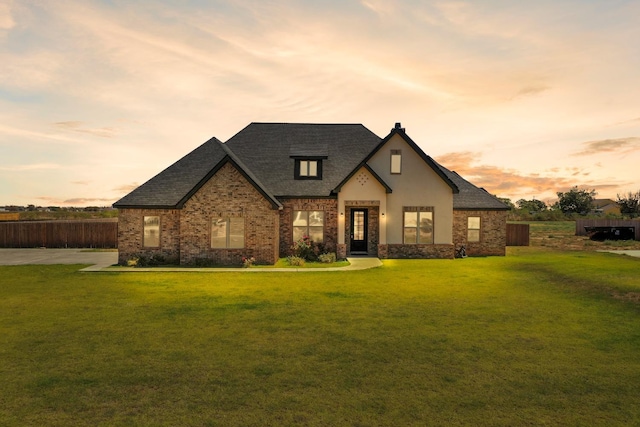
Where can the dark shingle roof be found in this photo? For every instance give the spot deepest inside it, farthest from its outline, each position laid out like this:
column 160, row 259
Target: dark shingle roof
column 268, row 149
column 471, row 197
column 169, row 187
column 265, row 154
column 172, row 187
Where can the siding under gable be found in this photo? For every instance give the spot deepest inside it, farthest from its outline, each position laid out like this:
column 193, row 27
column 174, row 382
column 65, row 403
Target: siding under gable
column 417, row 185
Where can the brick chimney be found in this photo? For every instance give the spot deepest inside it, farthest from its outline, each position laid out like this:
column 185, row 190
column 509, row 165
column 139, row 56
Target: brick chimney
column 398, row 127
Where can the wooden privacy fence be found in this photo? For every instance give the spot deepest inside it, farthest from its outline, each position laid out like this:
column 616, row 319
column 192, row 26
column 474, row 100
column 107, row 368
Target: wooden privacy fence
column 59, row 234
column 517, row 234
column 581, row 223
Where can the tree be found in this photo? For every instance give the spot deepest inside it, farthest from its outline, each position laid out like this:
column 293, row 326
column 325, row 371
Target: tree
column 630, row 205
column 507, row 202
column 576, row 201
column 531, row 206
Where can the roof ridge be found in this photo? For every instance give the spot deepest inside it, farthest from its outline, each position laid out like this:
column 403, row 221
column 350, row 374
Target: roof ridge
column 249, row 173
column 307, row 123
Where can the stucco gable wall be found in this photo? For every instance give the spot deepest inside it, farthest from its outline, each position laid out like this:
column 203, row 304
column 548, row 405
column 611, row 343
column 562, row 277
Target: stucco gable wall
column 228, row 194
column 417, row 185
column 362, row 187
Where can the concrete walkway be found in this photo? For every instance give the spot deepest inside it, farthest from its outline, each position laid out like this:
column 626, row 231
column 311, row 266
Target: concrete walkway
column 105, row 261
column 356, row 263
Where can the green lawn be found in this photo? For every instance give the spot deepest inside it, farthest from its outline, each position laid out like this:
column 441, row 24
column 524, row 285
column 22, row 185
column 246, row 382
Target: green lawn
column 534, row 338
column 283, row 263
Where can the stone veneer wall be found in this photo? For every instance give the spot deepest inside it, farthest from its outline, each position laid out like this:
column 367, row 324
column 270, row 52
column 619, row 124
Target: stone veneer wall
column 228, row 194
column 131, row 231
column 330, row 208
column 437, row 251
column 493, row 232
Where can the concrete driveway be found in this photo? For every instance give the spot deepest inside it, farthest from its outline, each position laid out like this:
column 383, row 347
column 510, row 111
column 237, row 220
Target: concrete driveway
column 633, row 253
column 97, row 259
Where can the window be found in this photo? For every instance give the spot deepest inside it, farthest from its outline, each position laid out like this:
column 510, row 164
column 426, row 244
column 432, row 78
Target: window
column 151, row 237
column 418, row 225
column 227, row 233
column 396, row 161
column 308, row 223
column 473, row 229
column 308, row 169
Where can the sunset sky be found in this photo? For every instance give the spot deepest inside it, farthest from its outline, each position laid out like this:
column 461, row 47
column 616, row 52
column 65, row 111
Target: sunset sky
column 524, row 99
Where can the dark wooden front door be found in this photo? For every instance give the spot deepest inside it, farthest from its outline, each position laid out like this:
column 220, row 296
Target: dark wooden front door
column 359, row 231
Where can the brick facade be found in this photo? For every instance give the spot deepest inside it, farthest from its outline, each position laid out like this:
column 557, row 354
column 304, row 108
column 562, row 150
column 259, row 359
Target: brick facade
column 185, row 234
column 228, row 195
column 131, row 232
column 330, row 208
column 437, row 251
column 493, row 232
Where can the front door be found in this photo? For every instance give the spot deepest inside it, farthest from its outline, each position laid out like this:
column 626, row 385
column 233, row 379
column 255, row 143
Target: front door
column 359, row 231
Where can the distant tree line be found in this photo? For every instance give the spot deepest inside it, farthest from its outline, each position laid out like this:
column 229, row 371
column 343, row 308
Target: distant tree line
column 576, row 202
column 32, row 213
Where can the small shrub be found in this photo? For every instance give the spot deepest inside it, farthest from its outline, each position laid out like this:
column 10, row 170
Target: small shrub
column 202, row 262
column 327, row 258
column 154, row 260
column 248, row 261
column 295, row 261
column 304, row 248
column 309, row 250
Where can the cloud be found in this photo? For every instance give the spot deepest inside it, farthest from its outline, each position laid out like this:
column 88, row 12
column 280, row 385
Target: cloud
column 81, row 182
column 6, row 20
column 78, row 201
column 35, row 135
column 83, row 201
column 510, row 183
column 626, row 122
column 127, row 188
column 32, row 167
column 623, row 145
column 79, row 127
column 530, row 90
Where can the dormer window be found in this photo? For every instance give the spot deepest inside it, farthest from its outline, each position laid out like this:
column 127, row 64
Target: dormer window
column 308, row 169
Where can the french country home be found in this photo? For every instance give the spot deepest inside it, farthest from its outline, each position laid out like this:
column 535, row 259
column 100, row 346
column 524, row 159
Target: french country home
column 341, row 185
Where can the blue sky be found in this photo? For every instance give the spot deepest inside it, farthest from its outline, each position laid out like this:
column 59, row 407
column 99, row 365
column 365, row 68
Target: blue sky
column 522, row 98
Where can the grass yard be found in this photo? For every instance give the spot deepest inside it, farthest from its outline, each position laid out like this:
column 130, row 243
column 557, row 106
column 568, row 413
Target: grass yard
column 562, row 235
column 283, row 263
column 538, row 337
